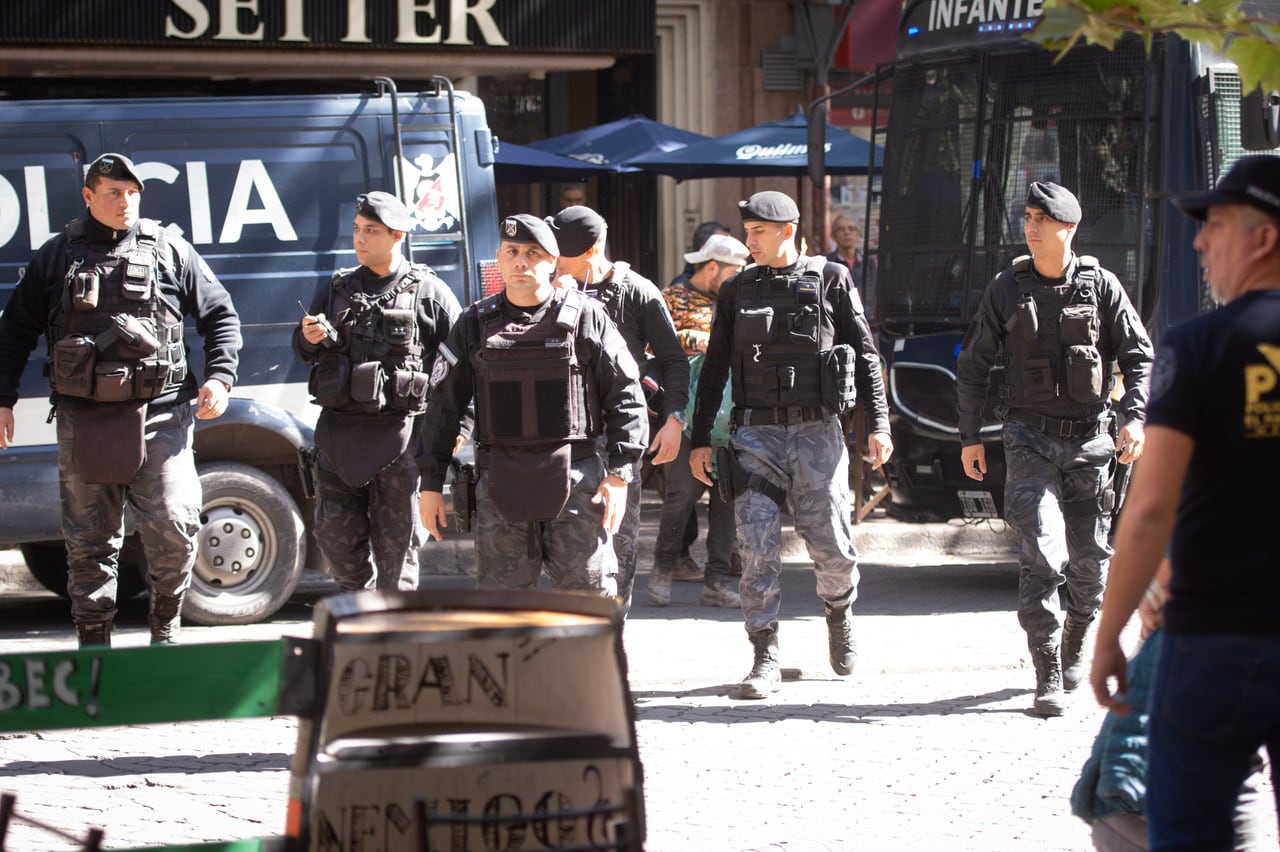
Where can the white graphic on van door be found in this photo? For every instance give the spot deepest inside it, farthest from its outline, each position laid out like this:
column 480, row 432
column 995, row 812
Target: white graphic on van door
column 434, row 197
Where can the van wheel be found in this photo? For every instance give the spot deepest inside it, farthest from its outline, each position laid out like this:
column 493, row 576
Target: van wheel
column 47, row 562
column 251, row 547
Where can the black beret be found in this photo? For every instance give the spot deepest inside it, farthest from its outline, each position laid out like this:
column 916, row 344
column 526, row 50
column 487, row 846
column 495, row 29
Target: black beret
column 1057, row 201
column 577, row 229
column 769, row 206
column 114, row 166
column 1253, row 180
column 527, row 228
column 385, row 208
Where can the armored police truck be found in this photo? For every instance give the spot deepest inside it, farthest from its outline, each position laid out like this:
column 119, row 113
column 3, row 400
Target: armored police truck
column 978, row 112
column 264, row 188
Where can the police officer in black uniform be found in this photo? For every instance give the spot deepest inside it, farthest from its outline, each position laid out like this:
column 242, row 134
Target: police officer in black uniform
column 792, row 333
column 549, row 375
column 109, row 294
column 371, row 334
column 1059, row 324
column 637, row 308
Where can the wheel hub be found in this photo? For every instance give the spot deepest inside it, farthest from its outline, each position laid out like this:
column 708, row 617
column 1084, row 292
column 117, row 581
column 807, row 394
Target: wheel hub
column 230, row 547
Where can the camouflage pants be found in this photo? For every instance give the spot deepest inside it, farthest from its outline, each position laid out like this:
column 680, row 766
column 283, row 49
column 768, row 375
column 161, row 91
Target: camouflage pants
column 810, row 462
column 1053, row 500
column 626, row 543
column 574, row 549
column 165, row 500
column 370, row 535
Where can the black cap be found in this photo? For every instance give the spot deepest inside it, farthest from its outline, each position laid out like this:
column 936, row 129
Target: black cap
column 1057, row 201
column 577, row 229
column 385, row 208
column 114, row 166
column 527, row 228
column 769, row 206
column 1253, row 180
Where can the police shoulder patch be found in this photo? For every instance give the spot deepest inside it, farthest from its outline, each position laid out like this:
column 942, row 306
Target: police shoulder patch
column 439, row 370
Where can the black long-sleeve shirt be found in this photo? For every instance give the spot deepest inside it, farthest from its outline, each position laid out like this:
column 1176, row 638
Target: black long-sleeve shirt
column 600, row 350
column 844, row 316
column 184, row 280
column 636, row 306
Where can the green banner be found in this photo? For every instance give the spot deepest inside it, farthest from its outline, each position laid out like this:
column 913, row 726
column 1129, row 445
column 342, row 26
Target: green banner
column 130, row 686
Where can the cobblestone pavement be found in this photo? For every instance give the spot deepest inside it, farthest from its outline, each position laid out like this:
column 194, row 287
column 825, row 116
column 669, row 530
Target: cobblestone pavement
column 929, row 745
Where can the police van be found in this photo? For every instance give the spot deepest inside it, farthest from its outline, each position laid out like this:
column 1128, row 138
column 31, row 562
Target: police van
column 975, row 113
column 264, row 188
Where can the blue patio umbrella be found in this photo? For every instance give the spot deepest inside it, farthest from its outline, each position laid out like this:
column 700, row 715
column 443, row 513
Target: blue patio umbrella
column 524, row 164
column 772, row 149
column 615, row 143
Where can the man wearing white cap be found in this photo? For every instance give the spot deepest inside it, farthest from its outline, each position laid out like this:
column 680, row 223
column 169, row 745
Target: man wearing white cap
column 692, row 306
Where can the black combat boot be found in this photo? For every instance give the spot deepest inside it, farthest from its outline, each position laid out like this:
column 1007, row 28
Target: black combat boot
column 1073, row 635
column 844, row 648
column 165, row 619
column 766, row 675
column 96, row 634
column 1050, row 699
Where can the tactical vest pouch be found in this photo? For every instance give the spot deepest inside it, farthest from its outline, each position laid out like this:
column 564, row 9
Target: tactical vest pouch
column 839, row 389
column 803, row 324
column 1079, row 325
column 71, row 370
column 398, row 327
column 112, row 381
column 1084, row 377
column 136, row 286
column 1037, row 380
column 107, row 444
column 754, row 326
column 780, row 385
column 151, row 376
column 366, row 383
column 84, row 291
column 330, row 380
column 409, row 390
column 530, row 483
column 1028, row 320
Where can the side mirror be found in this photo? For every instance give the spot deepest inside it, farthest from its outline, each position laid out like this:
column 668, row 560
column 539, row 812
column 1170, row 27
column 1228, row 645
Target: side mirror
column 1260, row 121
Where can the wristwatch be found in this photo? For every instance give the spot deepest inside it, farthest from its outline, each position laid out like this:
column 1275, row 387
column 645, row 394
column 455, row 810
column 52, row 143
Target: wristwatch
column 623, row 472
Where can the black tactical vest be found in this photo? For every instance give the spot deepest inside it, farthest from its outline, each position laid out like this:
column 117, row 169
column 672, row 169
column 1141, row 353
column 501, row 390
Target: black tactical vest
column 530, row 388
column 112, row 336
column 778, row 335
column 1056, row 349
column 377, row 364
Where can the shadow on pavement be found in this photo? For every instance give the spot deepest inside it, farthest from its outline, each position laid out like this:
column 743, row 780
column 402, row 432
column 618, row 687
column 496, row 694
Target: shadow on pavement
column 182, row 764
column 766, row 711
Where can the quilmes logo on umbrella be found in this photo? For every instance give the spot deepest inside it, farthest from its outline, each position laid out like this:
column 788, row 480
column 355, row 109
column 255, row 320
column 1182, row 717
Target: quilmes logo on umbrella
column 775, row 152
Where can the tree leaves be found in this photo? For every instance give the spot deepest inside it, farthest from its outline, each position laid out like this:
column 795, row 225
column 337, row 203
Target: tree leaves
column 1251, row 42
